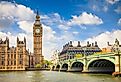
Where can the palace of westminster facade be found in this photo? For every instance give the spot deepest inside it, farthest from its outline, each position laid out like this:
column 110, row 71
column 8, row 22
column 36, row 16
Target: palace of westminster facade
column 19, row 58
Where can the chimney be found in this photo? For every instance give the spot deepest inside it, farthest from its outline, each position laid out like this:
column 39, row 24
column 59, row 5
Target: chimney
column 78, row 44
column 96, row 44
column 88, row 45
column 71, row 44
column 92, row 44
column 108, row 43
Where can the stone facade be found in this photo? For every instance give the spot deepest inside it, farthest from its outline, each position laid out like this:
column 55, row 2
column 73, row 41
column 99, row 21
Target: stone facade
column 55, row 57
column 116, row 47
column 70, row 52
column 37, row 38
column 18, row 58
column 13, row 58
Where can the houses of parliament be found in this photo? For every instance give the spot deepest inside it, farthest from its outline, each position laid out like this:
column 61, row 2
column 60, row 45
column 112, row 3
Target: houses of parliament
column 19, row 58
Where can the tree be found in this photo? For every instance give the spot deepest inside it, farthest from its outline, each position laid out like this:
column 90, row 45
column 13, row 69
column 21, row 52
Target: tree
column 38, row 66
column 47, row 63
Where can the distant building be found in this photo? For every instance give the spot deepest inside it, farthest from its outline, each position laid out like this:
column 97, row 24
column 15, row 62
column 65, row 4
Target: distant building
column 55, row 57
column 70, row 52
column 116, row 47
column 13, row 58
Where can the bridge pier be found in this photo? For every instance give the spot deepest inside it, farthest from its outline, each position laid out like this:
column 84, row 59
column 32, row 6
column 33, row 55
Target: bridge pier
column 117, row 65
column 85, row 68
column 69, row 66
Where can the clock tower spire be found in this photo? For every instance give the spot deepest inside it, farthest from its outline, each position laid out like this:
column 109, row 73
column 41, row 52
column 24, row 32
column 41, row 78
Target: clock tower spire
column 37, row 40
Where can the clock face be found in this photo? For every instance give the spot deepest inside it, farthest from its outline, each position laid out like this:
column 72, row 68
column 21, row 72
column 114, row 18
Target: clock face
column 37, row 30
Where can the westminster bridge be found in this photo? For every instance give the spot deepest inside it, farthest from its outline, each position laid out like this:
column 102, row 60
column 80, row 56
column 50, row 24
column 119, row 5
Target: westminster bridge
column 108, row 62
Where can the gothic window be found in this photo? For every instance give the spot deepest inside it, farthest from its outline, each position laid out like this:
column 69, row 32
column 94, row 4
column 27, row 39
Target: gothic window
column 20, row 62
column 11, row 55
column 2, row 63
column 20, row 55
column 11, row 63
column 14, row 56
column 8, row 62
column 14, row 62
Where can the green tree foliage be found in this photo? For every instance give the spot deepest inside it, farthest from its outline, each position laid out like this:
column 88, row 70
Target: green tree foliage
column 47, row 63
column 38, row 66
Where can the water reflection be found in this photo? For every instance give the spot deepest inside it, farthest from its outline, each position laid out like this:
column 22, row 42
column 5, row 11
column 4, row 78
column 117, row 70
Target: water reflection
column 53, row 76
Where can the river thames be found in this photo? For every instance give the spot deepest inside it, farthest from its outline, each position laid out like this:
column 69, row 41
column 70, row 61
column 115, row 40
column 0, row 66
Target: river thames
column 53, row 76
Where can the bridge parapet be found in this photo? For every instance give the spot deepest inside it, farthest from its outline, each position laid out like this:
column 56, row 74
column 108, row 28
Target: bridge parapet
column 88, row 59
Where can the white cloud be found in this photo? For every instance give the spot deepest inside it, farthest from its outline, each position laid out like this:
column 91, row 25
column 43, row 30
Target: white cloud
column 48, row 33
column 105, row 37
column 75, row 32
column 119, row 21
column 85, row 18
column 10, row 12
column 63, row 27
column 52, row 19
column 5, row 21
column 118, row 10
column 26, row 26
column 24, row 17
column 112, row 1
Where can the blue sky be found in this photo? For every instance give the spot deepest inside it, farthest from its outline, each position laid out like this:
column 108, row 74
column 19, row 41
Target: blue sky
column 67, row 8
column 63, row 20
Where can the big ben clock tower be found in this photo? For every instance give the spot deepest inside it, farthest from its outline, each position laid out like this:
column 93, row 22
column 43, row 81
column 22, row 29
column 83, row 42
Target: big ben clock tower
column 37, row 40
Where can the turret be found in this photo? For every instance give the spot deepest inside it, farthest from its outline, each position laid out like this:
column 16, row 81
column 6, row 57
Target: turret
column 25, row 40
column 7, row 41
column 0, row 40
column 17, row 39
column 116, row 42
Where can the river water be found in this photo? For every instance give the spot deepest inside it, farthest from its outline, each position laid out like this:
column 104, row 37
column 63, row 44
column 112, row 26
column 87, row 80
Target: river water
column 54, row 76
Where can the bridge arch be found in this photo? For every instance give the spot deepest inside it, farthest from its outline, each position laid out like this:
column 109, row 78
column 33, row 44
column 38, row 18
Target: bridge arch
column 64, row 67
column 94, row 59
column 101, row 65
column 77, row 66
column 57, row 67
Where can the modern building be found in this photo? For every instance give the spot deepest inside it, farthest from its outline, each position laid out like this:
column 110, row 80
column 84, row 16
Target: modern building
column 116, row 47
column 70, row 52
column 13, row 58
column 37, row 40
